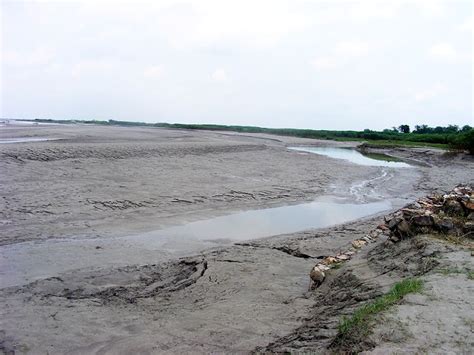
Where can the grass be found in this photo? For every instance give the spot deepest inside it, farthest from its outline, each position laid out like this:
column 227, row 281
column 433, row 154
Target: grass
column 351, row 329
column 399, row 143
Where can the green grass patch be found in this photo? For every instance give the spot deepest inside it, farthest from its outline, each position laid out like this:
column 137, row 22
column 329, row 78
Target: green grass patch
column 401, row 144
column 352, row 329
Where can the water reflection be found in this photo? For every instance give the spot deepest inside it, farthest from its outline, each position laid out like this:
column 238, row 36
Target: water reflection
column 352, row 155
column 25, row 262
column 25, row 140
column 271, row 221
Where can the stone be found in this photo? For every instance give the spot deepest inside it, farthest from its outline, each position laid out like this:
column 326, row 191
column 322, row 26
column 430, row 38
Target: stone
column 317, row 277
column 469, row 205
column 323, row 267
column 422, row 221
column 382, row 227
column 470, row 216
column 403, row 227
column 343, row 257
column 394, row 222
column 446, row 224
column 453, row 207
column 329, row 260
column 394, row 239
column 469, row 228
column 358, row 243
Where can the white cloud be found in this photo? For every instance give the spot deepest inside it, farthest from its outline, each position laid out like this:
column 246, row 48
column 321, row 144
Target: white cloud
column 429, row 93
column 219, row 75
column 352, row 48
column 430, row 8
column 91, row 67
column 342, row 53
column 467, row 26
column 38, row 56
column 322, row 63
column 153, row 71
column 444, row 51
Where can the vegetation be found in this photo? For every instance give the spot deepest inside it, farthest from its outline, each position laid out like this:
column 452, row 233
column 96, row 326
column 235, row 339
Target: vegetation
column 441, row 137
column 352, row 329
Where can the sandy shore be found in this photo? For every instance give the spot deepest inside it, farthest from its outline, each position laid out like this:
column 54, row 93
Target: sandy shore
column 97, row 183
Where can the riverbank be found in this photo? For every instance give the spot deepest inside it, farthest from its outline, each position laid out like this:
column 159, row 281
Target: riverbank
column 101, row 182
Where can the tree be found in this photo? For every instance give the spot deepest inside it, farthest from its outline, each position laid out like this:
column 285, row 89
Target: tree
column 422, row 129
column 404, row 128
column 465, row 141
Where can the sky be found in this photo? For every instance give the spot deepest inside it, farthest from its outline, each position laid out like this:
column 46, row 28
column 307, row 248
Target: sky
column 274, row 63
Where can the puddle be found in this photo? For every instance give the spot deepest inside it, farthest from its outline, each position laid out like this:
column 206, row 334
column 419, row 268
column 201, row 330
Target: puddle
column 25, row 139
column 25, row 262
column 352, row 155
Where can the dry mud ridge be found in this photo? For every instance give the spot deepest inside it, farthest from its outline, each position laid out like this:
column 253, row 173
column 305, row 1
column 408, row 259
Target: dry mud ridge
column 249, row 297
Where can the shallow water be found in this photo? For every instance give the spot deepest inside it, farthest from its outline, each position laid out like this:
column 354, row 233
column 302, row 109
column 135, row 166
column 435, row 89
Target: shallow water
column 25, row 139
column 25, row 262
column 271, row 221
column 355, row 157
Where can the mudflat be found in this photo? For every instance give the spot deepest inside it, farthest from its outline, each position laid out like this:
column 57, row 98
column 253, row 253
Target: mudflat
column 90, row 189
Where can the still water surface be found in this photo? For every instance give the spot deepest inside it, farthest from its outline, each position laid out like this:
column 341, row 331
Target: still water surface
column 354, row 156
column 25, row 140
column 25, row 262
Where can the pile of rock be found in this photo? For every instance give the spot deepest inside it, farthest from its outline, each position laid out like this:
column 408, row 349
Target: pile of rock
column 318, row 272
column 452, row 214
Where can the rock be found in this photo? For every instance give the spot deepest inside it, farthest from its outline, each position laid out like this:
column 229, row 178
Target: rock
column 453, row 207
column 403, row 227
column 470, row 216
column 469, row 205
column 394, row 222
column 446, row 224
column 382, row 227
column 422, row 221
column 394, row 239
column 358, row 243
column 342, row 257
column 317, row 277
column 374, row 233
column 329, row 260
column 469, row 228
column 323, row 267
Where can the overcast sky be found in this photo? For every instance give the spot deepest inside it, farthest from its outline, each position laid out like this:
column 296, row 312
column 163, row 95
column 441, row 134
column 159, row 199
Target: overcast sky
column 307, row 64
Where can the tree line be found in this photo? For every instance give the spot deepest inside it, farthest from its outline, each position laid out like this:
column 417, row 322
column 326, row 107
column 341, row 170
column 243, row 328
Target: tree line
column 450, row 136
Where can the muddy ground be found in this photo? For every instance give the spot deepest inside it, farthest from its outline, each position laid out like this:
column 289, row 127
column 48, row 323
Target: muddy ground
column 102, row 182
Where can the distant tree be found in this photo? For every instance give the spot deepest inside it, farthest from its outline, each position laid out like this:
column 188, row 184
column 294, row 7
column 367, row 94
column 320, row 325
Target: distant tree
column 466, row 128
column 465, row 141
column 404, row 128
column 452, row 129
column 422, row 129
